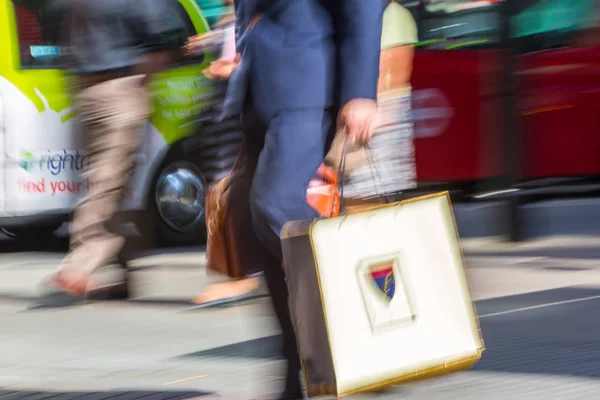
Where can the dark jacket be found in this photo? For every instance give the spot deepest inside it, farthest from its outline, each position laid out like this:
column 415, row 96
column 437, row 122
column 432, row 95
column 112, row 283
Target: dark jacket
column 110, row 35
column 306, row 53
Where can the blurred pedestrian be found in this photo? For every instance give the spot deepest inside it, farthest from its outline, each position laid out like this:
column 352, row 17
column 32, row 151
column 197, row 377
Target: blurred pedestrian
column 115, row 46
column 302, row 61
column 224, row 250
column 398, row 41
column 385, row 168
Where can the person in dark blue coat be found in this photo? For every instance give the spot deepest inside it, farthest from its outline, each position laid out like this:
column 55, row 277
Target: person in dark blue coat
column 307, row 67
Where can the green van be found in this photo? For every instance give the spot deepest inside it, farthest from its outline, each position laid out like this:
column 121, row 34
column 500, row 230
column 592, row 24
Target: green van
column 41, row 150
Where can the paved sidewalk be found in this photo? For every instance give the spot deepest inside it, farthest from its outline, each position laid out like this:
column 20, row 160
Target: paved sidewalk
column 539, row 305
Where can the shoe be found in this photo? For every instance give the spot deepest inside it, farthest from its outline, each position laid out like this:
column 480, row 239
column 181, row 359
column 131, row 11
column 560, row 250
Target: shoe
column 52, row 293
column 59, row 291
column 225, row 293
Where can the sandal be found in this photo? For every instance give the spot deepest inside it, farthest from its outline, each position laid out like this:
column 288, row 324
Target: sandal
column 227, row 292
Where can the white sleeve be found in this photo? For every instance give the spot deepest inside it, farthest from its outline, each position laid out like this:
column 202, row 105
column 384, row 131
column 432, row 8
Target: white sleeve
column 228, row 52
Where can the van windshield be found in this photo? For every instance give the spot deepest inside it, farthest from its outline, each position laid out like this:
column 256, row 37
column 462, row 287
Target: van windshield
column 38, row 32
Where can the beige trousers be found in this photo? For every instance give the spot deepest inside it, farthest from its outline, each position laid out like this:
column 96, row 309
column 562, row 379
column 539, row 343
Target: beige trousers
column 113, row 113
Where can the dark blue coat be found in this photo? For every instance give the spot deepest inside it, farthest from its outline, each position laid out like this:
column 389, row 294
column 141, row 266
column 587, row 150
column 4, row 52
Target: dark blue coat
column 306, row 53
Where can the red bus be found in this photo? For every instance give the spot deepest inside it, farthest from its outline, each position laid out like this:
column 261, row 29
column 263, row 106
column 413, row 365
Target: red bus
column 459, row 85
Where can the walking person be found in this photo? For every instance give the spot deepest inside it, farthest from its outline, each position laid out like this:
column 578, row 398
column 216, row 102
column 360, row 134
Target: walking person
column 229, row 254
column 385, row 168
column 306, row 67
column 115, row 46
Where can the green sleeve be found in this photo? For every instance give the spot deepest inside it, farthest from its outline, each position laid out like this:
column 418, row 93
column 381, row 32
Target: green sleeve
column 399, row 27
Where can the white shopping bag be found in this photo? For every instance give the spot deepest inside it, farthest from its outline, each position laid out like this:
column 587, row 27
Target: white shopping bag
column 380, row 297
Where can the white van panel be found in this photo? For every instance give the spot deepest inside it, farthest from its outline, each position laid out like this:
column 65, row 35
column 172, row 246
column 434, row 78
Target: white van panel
column 43, row 159
column 42, row 165
column 2, row 155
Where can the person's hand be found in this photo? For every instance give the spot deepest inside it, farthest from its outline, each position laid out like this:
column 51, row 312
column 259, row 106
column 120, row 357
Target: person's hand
column 222, row 69
column 207, row 40
column 358, row 117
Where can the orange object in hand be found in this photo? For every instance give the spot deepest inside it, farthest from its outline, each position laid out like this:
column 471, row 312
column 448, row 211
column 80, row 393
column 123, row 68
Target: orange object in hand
column 322, row 192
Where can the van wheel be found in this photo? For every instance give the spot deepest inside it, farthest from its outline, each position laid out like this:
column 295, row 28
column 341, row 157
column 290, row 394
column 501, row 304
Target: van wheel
column 177, row 201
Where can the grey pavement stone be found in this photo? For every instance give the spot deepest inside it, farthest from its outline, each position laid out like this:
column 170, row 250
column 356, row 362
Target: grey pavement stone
column 469, row 218
column 502, row 386
column 536, row 220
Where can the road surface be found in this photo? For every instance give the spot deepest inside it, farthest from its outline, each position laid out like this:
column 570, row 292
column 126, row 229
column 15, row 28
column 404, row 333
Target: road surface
column 539, row 305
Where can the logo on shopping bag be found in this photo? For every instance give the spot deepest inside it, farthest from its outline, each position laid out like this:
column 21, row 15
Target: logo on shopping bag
column 385, row 292
column 383, row 277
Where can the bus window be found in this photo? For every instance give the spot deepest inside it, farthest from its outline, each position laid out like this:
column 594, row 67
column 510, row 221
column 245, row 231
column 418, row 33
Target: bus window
column 458, row 24
column 535, row 24
column 550, row 24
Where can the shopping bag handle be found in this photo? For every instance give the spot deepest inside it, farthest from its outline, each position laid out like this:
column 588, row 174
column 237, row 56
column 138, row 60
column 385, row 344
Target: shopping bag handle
column 377, row 181
column 377, row 178
column 341, row 176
